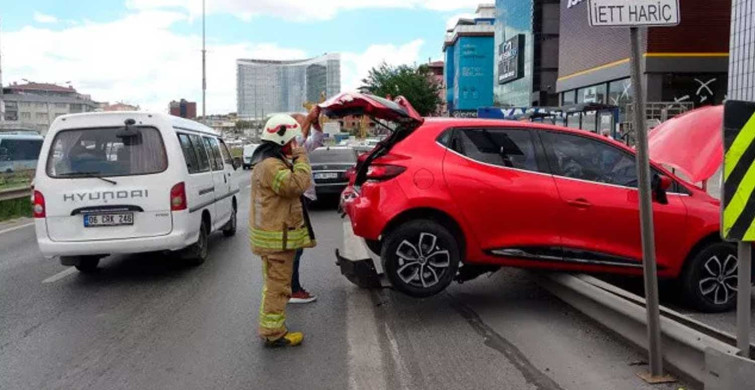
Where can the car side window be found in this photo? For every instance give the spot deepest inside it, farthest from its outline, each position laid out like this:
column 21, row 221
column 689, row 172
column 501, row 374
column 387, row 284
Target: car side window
column 588, row 159
column 189, row 154
column 501, row 147
column 214, row 151
column 226, row 154
column 202, row 154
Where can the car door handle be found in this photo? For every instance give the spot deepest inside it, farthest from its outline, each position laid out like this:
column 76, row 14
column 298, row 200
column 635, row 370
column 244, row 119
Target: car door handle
column 579, row 203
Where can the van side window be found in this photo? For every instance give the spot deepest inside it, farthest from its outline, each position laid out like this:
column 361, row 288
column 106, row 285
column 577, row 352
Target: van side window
column 214, row 150
column 189, row 154
column 226, row 154
column 202, row 156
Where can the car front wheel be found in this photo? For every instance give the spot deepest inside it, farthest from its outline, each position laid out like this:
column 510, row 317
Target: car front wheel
column 709, row 281
column 420, row 258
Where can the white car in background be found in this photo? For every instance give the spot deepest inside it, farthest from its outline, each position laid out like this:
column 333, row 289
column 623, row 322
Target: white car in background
column 247, row 155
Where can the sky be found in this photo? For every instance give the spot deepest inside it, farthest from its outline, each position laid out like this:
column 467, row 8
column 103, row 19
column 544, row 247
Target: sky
column 148, row 52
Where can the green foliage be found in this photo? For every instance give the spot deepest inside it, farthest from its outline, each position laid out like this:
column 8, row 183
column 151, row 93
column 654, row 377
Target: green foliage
column 416, row 84
column 15, row 208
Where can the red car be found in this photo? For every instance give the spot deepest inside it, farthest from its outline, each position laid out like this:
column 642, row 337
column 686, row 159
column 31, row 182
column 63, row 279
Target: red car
column 450, row 199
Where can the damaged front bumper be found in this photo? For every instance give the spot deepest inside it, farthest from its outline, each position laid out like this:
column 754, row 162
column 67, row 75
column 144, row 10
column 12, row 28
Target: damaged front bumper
column 356, row 262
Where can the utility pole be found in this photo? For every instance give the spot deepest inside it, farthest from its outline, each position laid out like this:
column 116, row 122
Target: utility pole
column 204, row 66
column 2, row 101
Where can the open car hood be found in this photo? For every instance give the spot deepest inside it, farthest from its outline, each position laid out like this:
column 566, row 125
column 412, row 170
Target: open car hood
column 691, row 143
column 353, row 103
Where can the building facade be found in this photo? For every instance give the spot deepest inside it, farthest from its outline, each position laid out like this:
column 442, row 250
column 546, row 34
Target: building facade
column 742, row 64
column 468, row 50
column 183, row 108
column 36, row 105
column 266, row 86
column 687, row 63
column 526, row 41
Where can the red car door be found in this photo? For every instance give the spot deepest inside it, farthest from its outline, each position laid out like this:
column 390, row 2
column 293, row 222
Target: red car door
column 496, row 179
column 599, row 217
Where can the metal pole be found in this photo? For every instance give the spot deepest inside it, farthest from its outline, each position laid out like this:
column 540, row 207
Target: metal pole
column 204, row 66
column 744, row 291
column 646, row 210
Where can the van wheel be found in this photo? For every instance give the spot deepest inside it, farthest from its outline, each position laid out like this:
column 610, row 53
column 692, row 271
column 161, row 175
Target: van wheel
column 709, row 280
column 197, row 253
column 420, row 258
column 87, row 264
column 230, row 228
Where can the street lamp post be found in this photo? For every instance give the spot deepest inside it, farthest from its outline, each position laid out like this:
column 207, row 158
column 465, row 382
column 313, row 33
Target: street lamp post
column 204, row 65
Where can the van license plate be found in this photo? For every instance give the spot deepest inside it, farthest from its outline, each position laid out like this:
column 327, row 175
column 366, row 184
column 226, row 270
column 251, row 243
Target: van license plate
column 114, row 219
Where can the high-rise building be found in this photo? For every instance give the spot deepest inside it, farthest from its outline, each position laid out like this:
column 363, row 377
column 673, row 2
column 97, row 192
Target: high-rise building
column 267, row 86
column 742, row 61
column 468, row 49
column 184, row 109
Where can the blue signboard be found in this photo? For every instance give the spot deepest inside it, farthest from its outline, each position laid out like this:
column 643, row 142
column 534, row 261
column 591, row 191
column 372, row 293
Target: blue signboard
column 473, row 73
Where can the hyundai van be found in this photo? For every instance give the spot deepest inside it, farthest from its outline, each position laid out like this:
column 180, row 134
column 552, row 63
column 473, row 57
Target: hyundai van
column 131, row 182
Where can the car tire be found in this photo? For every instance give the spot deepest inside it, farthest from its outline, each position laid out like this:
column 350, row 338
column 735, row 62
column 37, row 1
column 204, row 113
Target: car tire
column 197, row 253
column 420, row 258
column 87, row 264
column 230, row 228
column 709, row 279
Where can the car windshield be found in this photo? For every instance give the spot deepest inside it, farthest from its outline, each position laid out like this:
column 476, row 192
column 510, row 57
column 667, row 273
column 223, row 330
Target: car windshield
column 329, row 156
column 101, row 152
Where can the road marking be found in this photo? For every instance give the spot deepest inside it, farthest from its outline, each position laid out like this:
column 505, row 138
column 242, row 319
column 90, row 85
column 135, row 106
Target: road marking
column 365, row 360
column 60, row 275
column 249, row 187
column 8, row 230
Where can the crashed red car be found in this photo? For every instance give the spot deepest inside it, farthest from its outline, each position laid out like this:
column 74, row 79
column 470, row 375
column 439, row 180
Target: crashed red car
column 450, row 199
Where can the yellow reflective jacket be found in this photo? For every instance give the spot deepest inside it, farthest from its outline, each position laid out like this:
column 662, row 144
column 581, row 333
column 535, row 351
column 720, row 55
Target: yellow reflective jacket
column 276, row 219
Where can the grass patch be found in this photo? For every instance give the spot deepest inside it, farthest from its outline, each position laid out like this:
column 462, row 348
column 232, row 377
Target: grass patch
column 15, row 208
column 18, row 179
column 237, row 152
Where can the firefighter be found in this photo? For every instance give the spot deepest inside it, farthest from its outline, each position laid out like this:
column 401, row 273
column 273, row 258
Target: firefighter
column 279, row 225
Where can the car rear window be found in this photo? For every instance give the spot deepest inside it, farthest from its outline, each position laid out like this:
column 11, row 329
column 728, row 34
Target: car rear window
column 331, row 156
column 101, row 152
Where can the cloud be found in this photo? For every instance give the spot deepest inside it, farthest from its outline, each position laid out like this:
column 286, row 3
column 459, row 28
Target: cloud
column 356, row 66
column 297, row 10
column 44, row 18
column 138, row 60
column 451, row 22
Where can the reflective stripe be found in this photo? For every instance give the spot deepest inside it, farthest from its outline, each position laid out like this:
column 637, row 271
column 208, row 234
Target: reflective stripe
column 279, row 178
column 739, row 146
column 295, row 239
column 302, row 167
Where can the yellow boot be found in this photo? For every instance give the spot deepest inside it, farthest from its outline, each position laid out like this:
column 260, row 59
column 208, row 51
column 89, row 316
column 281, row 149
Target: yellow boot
column 290, row 339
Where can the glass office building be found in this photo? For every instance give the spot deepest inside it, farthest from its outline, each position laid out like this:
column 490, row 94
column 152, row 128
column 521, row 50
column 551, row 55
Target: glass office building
column 267, row 86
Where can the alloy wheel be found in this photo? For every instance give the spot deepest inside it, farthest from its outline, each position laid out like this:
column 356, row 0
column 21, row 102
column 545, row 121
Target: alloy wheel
column 718, row 281
column 423, row 263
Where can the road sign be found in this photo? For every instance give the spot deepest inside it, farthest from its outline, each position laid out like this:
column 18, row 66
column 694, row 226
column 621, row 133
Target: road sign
column 634, row 13
column 738, row 198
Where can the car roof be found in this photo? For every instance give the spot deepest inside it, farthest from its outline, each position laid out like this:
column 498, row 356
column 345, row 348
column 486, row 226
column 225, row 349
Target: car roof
column 176, row 122
column 335, row 148
column 21, row 137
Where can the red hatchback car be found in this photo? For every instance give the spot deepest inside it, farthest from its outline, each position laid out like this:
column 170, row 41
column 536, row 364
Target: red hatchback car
column 450, row 199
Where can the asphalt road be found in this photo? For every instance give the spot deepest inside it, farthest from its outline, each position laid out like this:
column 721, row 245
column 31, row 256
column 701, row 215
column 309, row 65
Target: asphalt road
column 150, row 322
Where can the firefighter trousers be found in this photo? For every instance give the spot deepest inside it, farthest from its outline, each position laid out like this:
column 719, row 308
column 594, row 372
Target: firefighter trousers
column 276, row 272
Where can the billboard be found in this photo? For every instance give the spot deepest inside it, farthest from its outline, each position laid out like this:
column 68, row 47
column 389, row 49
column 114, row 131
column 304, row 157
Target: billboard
column 511, row 59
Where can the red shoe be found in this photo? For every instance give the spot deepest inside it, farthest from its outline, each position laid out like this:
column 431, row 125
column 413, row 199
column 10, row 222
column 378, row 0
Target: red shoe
column 302, row 296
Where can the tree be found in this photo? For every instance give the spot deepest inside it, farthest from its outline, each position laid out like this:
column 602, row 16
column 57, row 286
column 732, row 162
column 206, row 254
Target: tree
column 416, row 84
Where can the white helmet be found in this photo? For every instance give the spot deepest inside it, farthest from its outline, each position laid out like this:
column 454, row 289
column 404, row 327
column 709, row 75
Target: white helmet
column 280, row 129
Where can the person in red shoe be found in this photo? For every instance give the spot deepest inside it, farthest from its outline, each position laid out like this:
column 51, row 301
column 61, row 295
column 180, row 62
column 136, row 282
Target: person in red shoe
column 312, row 138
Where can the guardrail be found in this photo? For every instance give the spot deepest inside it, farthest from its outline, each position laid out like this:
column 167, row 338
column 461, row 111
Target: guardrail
column 15, row 193
column 685, row 341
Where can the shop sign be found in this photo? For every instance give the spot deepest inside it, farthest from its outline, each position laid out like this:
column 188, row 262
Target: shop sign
column 511, row 59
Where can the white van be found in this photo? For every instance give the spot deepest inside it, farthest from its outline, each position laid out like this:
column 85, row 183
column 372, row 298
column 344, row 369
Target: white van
column 247, row 155
column 131, row 182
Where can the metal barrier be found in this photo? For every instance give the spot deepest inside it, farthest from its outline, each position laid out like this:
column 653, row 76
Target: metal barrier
column 15, row 193
column 685, row 340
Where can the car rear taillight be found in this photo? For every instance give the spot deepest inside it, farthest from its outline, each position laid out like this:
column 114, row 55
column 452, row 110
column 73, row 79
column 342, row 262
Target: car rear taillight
column 178, row 197
column 38, row 205
column 384, row 172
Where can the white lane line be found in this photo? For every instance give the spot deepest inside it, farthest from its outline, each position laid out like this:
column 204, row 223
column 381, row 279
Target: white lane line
column 365, row 364
column 8, row 230
column 249, row 187
column 60, row 275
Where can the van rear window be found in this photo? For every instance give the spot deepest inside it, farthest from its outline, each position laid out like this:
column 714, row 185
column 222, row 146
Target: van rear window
column 102, row 152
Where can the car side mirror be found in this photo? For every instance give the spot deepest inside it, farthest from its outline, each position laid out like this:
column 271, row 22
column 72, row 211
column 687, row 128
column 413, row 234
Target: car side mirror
column 660, row 184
